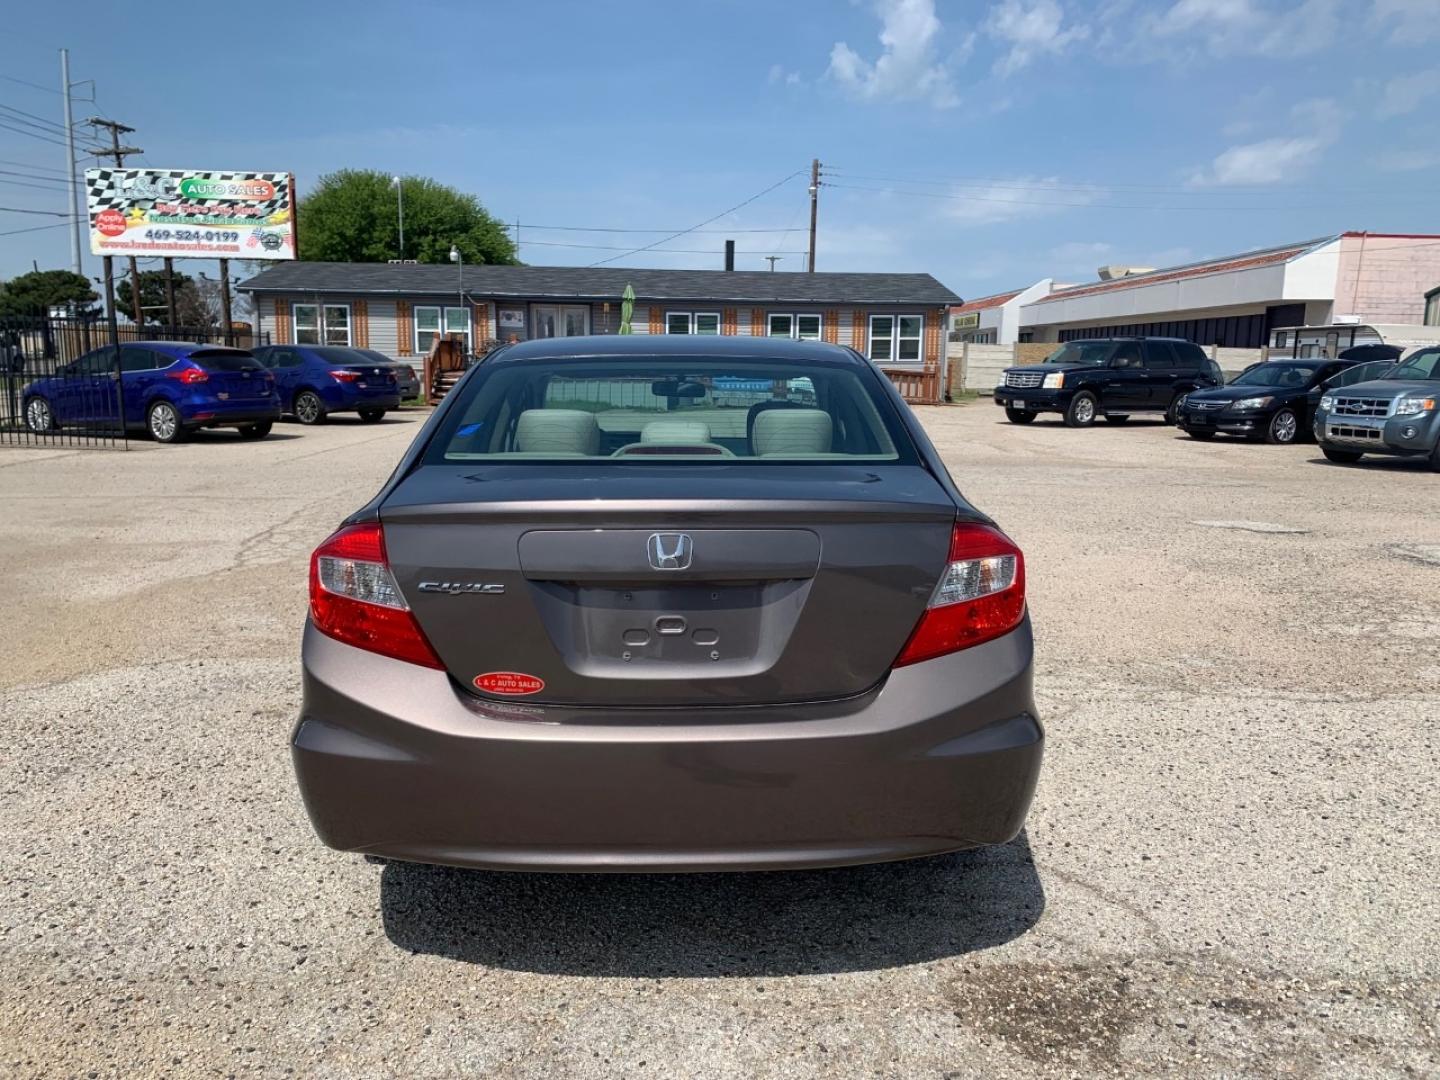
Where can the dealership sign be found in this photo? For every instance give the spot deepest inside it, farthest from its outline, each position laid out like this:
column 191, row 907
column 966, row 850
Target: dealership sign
column 186, row 214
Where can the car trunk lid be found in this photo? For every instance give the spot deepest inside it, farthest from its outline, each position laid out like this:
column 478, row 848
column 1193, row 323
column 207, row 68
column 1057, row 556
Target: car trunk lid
column 727, row 585
column 233, row 376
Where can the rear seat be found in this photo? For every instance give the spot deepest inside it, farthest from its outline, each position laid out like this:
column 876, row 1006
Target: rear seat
column 792, row 432
column 558, row 432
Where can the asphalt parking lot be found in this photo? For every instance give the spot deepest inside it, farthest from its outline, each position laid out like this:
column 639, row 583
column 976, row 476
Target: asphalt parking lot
column 1230, row 867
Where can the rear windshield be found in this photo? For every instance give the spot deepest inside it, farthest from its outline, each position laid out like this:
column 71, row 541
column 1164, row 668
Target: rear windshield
column 671, row 410
column 226, row 360
column 338, row 354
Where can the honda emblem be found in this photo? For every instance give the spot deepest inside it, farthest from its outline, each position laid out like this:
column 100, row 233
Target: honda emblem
column 670, row 551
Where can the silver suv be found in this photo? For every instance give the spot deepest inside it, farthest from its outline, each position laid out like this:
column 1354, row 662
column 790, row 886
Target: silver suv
column 1397, row 414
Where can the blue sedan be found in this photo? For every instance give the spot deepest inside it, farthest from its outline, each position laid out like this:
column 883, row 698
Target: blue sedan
column 169, row 388
column 316, row 380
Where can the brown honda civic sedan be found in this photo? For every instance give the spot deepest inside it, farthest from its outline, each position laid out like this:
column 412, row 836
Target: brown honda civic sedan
column 668, row 603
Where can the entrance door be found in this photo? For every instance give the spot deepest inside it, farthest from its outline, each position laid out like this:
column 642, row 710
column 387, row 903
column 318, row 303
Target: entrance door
column 560, row 320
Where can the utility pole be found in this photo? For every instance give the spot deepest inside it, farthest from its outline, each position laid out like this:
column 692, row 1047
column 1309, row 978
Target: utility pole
column 75, row 263
column 814, row 208
column 772, row 260
column 399, row 185
column 119, row 153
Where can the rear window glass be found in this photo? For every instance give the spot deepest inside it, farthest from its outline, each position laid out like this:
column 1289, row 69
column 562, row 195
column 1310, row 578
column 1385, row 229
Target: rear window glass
column 339, row 354
column 228, row 360
column 671, row 410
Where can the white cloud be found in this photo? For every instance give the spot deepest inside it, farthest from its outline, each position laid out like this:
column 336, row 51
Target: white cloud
column 1010, row 200
column 1410, row 21
column 907, row 68
column 1405, row 93
column 1248, row 28
column 779, row 75
column 1031, row 29
column 1272, row 161
column 1268, row 161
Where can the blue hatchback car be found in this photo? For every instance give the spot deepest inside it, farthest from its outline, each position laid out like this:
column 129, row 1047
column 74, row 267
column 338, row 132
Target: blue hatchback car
column 316, row 380
column 170, row 388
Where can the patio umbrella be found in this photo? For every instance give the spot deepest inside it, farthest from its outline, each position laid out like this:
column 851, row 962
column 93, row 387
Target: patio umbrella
column 627, row 309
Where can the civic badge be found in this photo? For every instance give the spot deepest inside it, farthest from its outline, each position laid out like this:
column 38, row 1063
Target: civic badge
column 670, row 551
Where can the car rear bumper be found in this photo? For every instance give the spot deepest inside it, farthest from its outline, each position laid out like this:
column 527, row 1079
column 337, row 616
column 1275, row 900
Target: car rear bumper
column 393, row 760
column 230, row 416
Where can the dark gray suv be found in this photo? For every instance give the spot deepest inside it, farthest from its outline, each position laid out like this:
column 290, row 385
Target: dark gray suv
column 668, row 603
column 1397, row 414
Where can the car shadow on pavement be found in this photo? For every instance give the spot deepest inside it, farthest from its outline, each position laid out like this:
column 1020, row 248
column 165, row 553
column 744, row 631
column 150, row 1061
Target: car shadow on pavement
column 691, row 925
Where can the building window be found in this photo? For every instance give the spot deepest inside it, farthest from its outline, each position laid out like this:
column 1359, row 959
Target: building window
column 1432, row 308
column 692, row 322
column 797, row 327
column 429, row 321
column 896, row 338
column 321, row 324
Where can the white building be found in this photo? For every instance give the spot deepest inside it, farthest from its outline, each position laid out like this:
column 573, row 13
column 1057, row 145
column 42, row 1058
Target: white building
column 1236, row 301
column 994, row 320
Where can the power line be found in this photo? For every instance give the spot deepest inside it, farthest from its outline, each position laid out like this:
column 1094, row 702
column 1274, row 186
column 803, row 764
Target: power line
column 38, row 171
column 32, row 134
column 37, row 228
column 1087, row 205
column 33, row 86
column 1080, row 185
column 707, row 221
column 23, row 210
column 658, row 251
column 48, row 186
column 609, row 229
column 38, row 121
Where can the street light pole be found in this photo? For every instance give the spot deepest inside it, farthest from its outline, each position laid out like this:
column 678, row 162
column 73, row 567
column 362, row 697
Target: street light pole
column 400, row 209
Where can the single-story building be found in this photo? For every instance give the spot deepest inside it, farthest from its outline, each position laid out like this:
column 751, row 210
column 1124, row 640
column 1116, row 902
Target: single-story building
column 995, row 320
column 399, row 309
column 1238, row 300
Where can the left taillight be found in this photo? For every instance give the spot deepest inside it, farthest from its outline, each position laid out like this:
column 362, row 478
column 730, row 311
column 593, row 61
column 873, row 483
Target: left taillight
column 354, row 598
column 980, row 595
column 341, row 375
column 188, row 375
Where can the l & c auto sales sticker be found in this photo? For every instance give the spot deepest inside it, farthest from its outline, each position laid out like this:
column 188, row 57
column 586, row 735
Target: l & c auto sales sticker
column 509, row 683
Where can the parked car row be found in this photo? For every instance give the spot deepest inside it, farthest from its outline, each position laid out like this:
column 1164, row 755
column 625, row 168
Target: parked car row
column 1372, row 399
column 170, row 388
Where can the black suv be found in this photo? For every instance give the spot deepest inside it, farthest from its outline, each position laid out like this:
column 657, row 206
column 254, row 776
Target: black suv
column 1110, row 377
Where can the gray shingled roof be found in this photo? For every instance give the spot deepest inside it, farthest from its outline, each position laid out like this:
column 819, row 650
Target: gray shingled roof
column 602, row 283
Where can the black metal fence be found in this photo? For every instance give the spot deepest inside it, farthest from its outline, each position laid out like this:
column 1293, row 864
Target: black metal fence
column 61, row 379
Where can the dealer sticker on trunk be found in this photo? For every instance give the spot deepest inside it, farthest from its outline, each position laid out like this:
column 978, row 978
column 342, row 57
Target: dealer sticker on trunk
column 509, row 683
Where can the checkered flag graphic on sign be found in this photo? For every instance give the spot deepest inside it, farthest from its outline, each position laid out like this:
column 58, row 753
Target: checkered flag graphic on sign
column 121, row 189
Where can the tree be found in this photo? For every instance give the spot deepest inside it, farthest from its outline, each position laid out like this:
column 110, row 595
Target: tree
column 351, row 216
column 152, row 295
column 38, row 291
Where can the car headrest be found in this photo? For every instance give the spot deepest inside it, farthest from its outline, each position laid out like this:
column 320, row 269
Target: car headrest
column 675, row 432
column 792, row 431
column 557, row 431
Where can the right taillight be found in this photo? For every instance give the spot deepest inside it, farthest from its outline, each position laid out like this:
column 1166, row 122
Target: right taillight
column 980, row 595
column 354, row 598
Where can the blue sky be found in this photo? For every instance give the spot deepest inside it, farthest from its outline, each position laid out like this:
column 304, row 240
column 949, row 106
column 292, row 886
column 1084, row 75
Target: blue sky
column 990, row 143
